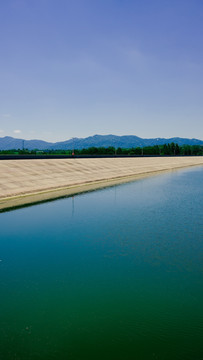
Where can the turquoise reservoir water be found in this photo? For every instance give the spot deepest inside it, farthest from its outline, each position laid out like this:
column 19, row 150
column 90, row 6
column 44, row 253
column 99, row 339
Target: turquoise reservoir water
column 112, row 274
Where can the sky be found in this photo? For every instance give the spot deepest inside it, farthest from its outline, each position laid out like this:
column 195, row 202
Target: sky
column 75, row 68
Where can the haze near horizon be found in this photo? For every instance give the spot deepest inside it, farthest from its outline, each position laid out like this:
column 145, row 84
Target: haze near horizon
column 83, row 67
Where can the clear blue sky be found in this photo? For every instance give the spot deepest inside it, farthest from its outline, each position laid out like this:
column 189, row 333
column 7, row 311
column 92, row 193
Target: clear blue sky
column 74, row 68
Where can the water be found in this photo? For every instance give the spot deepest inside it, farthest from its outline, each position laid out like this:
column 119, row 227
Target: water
column 112, row 274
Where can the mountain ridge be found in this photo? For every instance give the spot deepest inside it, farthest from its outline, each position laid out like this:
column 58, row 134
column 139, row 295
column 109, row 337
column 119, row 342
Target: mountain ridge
column 123, row 141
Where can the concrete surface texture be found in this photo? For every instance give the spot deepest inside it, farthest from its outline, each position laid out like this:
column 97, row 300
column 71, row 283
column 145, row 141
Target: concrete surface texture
column 20, row 178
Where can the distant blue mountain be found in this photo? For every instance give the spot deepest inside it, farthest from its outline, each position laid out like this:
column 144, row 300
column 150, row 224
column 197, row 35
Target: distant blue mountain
column 126, row 141
column 9, row 143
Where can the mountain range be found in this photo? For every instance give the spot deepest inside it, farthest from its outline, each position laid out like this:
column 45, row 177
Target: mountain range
column 125, row 141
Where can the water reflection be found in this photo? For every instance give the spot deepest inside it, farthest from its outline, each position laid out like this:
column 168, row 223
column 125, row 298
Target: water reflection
column 73, row 206
column 117, row 276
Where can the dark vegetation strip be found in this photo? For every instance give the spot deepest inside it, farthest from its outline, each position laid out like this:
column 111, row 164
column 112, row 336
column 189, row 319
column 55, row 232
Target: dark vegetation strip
column 171, row 149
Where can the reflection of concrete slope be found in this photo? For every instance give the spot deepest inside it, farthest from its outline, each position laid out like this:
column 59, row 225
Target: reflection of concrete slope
column 126, row 141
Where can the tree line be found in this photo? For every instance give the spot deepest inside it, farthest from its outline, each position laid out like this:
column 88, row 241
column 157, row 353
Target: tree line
column 171, row 149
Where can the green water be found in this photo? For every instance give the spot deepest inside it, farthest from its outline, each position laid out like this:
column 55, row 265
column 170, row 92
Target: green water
column 112, row 274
